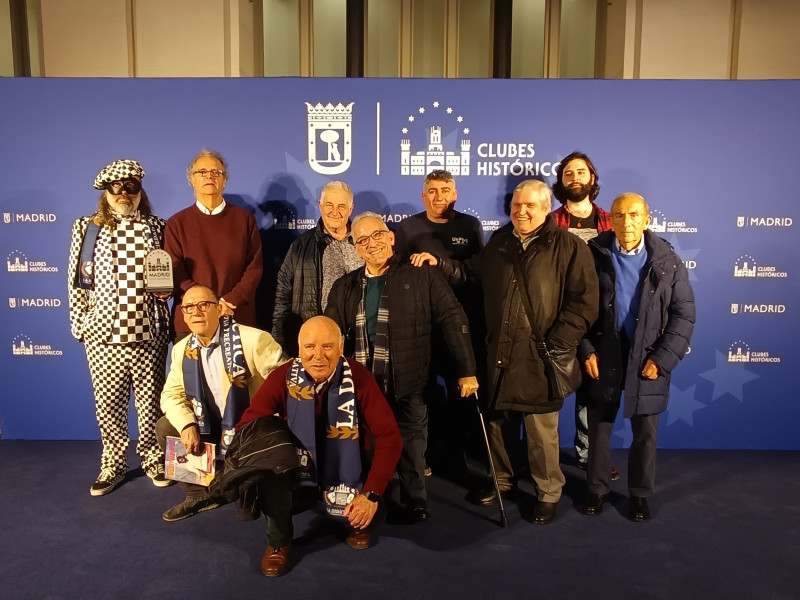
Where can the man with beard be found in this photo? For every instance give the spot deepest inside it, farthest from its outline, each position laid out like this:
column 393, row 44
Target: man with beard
column 576, row 188
column 230, row 265
column 124, row 328
column 314, row 261
column 441, row 231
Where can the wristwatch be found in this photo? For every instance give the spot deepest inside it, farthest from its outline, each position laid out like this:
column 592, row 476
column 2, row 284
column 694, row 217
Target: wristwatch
column 372, row 496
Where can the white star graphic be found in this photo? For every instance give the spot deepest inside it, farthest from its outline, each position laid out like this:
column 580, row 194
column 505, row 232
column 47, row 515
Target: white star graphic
column 466, row 130
column 728, row 378
column 449, row 110
column 405, row 129
column 682, row 405
column 411, row 118
column 421, row 109
column 459, row 118
column 436, row 104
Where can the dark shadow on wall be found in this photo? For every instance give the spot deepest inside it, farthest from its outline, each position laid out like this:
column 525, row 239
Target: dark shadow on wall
column 285, row 201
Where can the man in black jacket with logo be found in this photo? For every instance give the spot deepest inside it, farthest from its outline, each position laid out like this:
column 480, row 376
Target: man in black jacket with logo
column 386, row 311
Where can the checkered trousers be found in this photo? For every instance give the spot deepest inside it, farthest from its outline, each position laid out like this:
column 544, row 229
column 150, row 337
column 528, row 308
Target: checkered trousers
column 115, row 368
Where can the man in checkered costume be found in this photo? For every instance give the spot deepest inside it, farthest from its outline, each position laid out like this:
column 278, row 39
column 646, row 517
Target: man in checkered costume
column 123, row 327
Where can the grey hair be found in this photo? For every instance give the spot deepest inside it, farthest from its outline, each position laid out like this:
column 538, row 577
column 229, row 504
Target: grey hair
column 534, row 184
column 336, row 185
column 367, row 215
column 204, row 152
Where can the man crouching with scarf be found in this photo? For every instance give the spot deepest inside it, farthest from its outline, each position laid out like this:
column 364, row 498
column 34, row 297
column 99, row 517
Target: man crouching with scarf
column 350, row 440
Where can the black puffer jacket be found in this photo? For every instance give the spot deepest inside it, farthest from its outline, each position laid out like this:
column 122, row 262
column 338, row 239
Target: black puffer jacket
column 418, row 298
column 298, row 287
column 562, row 284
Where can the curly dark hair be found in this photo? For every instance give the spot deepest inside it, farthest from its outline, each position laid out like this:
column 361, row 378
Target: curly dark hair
column 560, row 192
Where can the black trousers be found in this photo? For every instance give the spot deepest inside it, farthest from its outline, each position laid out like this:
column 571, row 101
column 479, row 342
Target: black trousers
column 279, row 497
column 641, row 456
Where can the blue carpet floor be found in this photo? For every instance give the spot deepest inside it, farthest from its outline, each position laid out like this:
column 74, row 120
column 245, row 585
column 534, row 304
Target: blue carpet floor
column 724, row 524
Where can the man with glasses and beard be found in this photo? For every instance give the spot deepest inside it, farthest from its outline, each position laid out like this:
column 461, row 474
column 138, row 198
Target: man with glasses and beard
column 231, row 266
column 124, row 328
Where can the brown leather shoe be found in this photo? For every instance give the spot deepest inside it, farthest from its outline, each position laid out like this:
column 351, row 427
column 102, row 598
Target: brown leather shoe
column 358, row 540
column 273, row 564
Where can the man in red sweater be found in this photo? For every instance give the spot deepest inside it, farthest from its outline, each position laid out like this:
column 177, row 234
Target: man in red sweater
column 349, row 437
column 214, row 244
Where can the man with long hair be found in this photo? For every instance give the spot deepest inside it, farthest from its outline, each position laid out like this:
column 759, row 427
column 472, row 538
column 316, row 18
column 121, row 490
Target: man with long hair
column 123, row 327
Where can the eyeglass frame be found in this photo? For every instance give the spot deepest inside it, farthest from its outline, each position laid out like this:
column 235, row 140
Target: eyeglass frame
column 213, row 173
column 189, row 309
column 376, row 235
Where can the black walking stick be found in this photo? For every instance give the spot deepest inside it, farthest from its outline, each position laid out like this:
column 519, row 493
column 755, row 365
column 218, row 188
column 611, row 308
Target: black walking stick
column 503, row 518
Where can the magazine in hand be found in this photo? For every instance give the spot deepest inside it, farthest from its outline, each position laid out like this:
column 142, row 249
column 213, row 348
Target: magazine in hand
column 182, row 466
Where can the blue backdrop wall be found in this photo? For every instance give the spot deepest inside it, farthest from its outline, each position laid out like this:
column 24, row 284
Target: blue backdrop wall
column 716, row 161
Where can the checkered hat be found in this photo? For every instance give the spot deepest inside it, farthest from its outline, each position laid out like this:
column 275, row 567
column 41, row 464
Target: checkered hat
column 117, row 170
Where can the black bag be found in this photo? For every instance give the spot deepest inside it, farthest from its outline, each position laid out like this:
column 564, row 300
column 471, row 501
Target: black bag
column 560, row 364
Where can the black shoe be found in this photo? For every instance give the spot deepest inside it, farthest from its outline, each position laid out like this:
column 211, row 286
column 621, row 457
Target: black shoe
column 639, row 511
column 488, row 496
column 418, row 509
column 189, row 508
column 594, row 503
column 106, row 482
column 544, row 512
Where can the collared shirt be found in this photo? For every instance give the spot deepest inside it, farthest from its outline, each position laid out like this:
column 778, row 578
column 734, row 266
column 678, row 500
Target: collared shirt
column 211, row 358
column 526, row 241
column 216, row 211
column 635, row 250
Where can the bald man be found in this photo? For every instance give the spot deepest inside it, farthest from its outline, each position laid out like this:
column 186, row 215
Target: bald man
column 350, row 443
column 647, row 316
column 214, row 372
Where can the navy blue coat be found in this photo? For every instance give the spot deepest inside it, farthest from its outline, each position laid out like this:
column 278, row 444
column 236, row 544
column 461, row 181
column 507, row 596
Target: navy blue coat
column 664, row 328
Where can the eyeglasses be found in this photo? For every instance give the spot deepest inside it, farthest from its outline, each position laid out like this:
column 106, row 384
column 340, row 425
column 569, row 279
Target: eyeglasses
column 376, row 235
column 189, row 309
column 130, row 186
column 213, row 173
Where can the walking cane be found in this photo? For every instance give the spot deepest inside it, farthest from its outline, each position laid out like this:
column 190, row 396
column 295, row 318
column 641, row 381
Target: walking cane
column 503, row 518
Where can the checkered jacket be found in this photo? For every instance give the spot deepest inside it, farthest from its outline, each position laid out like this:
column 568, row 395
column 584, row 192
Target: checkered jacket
column 92, row 312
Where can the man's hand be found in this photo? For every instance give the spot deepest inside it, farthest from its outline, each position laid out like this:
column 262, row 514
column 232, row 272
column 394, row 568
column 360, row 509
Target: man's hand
column 226, row 309
column 591, row 367
column 190, row 438
column 360, row 511
column 467, row 386
column 424, row 258
column 650, row 370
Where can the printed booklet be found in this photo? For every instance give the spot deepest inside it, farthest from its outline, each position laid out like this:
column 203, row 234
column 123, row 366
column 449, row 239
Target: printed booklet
column 182, row 466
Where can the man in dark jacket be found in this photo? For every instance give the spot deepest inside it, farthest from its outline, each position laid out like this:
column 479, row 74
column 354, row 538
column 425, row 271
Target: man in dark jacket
column 647, row 316
column 314, row 261
column 386, row 311
column 560, row 280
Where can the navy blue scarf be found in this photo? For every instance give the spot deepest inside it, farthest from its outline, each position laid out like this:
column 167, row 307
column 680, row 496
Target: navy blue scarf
column 238, row 374
column 340, row 454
